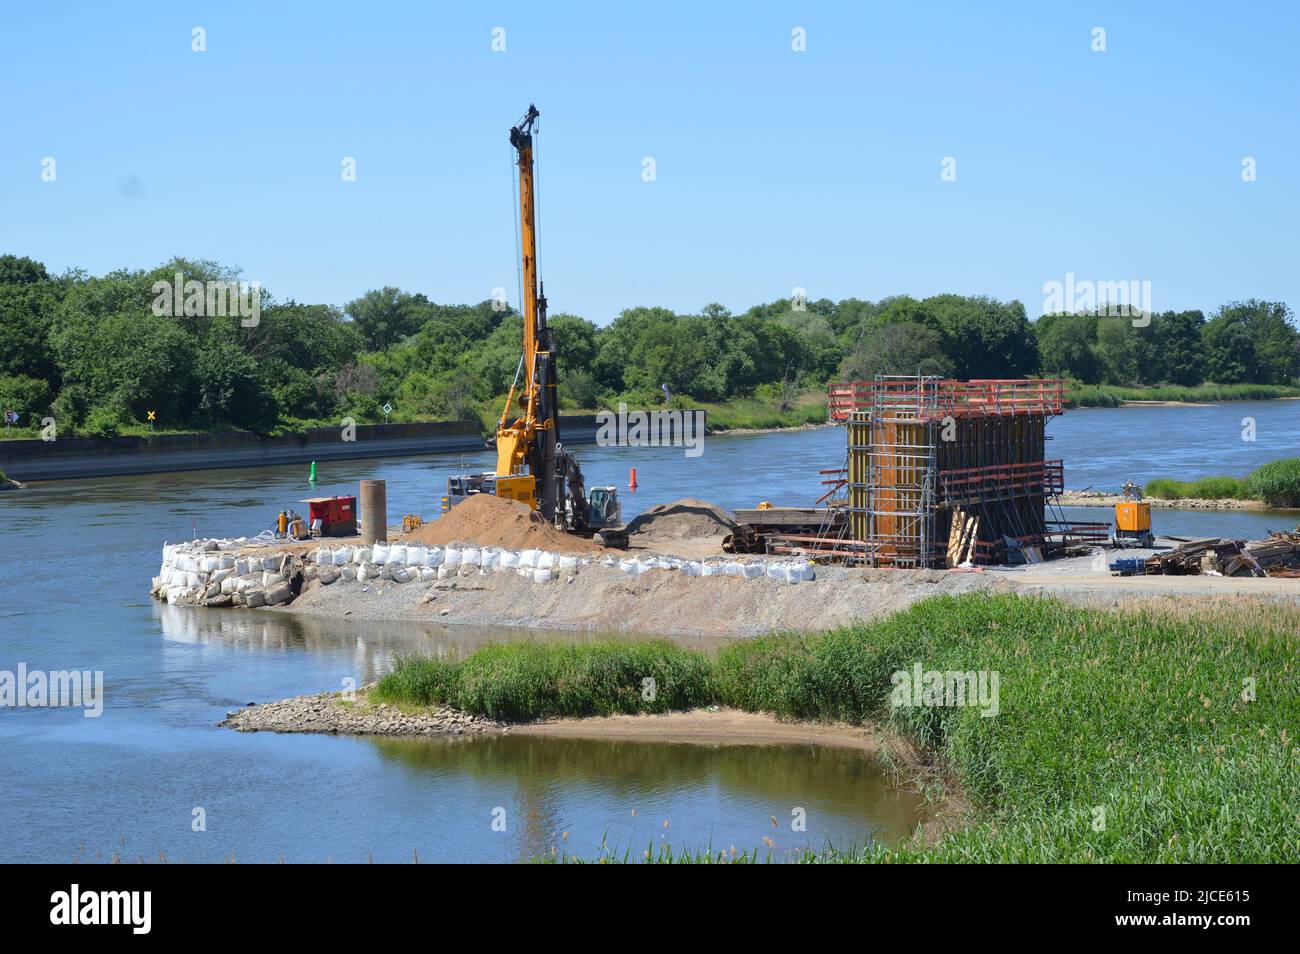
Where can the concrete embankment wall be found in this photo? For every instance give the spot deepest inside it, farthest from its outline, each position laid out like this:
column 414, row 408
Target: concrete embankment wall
column 78, row 457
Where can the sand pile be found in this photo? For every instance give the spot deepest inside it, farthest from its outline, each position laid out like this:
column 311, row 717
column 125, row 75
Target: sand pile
column 493, row 521
column 683, row 519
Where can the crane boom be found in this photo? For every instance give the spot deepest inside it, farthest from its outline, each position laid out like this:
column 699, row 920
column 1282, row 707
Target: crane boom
column 528, row 447
column 532, row 465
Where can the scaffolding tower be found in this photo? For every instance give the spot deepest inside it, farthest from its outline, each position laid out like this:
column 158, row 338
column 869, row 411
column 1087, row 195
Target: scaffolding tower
column 942, row 471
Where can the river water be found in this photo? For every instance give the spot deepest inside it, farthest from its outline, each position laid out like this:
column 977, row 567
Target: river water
column 74, row 578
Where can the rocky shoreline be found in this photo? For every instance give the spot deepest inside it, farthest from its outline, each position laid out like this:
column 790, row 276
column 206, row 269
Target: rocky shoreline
column 1097, row 498
column 343, row 713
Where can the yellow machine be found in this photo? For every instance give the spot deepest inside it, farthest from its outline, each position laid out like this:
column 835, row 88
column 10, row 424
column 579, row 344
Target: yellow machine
column 532, row 465
column 1132, row 519
column 290, row 526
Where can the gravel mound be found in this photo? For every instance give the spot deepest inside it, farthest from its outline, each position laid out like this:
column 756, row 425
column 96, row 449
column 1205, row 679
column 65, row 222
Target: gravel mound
column 494, row 521
column 336, row 713
column 683, row 519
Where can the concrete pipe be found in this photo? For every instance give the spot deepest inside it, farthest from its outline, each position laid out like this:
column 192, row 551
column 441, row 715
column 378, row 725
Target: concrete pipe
column 374, row 511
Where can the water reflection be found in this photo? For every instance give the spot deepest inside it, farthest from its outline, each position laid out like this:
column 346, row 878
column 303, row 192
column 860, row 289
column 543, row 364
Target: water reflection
column 718, row 795
column 372, row 646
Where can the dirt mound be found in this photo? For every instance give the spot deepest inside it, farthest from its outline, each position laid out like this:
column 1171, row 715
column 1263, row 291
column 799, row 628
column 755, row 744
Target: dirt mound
column 681, row 519
column 493, row 521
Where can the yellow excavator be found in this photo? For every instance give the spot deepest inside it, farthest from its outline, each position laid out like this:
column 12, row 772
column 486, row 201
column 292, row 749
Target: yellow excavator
column 532, row 465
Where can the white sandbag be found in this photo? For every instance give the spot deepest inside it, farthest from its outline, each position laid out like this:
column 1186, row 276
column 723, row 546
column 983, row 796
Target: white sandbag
column 691, row 568
column 509, row 560
column 528, row 558
column 322, row 557
column 445, row 571
column 192, row 579
column 241, row 568
column 451, row 558
column 776, row 570
column 271, row 563
column 490, row 560
column 270, row 578
column 367, row 571
column 225, row 563
column 752, row 571
column 732, row 569
column 567, row 561
column 400, row 574
column 806, row 571
column 428, row 574
column 396, row 553
column 470, row 556
column 222, row 575
column 791, row 573
column 348, row 574
column 329, row 576
column 433, row 557
column 379, row 554
column 342, row 556
column 545, row 560
column 543, row 575
column 361, row 555
column 173, row 594
column 228, row 585
column 415, row 556
column 167, row 552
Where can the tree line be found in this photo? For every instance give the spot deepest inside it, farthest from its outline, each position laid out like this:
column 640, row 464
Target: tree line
column 97, row 354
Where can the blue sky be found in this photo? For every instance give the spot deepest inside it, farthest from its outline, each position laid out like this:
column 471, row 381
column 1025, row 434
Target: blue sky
column 775, row 169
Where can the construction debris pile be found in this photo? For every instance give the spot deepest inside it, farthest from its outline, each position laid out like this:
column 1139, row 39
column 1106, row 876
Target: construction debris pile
column 1279, row 556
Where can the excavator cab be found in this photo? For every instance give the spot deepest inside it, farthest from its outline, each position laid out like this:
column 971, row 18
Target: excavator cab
column 605, row 517
column 603, row 508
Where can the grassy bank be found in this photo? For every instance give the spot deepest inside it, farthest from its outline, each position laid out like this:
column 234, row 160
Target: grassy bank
column 1277, row 484
column 1099, row 395
column 1120, row 736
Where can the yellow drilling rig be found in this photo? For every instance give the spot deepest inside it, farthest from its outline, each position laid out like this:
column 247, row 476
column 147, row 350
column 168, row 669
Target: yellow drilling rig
column 532, row 465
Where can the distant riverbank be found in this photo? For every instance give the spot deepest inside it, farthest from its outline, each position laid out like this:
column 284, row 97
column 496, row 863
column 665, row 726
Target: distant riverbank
column 1104, row 395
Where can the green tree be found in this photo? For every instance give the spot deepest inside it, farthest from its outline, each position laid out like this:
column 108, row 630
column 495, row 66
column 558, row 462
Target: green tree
column 897, row 347
column 1252, row 341
column 231, row 389
column 21, row 271
column 1067, row 345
